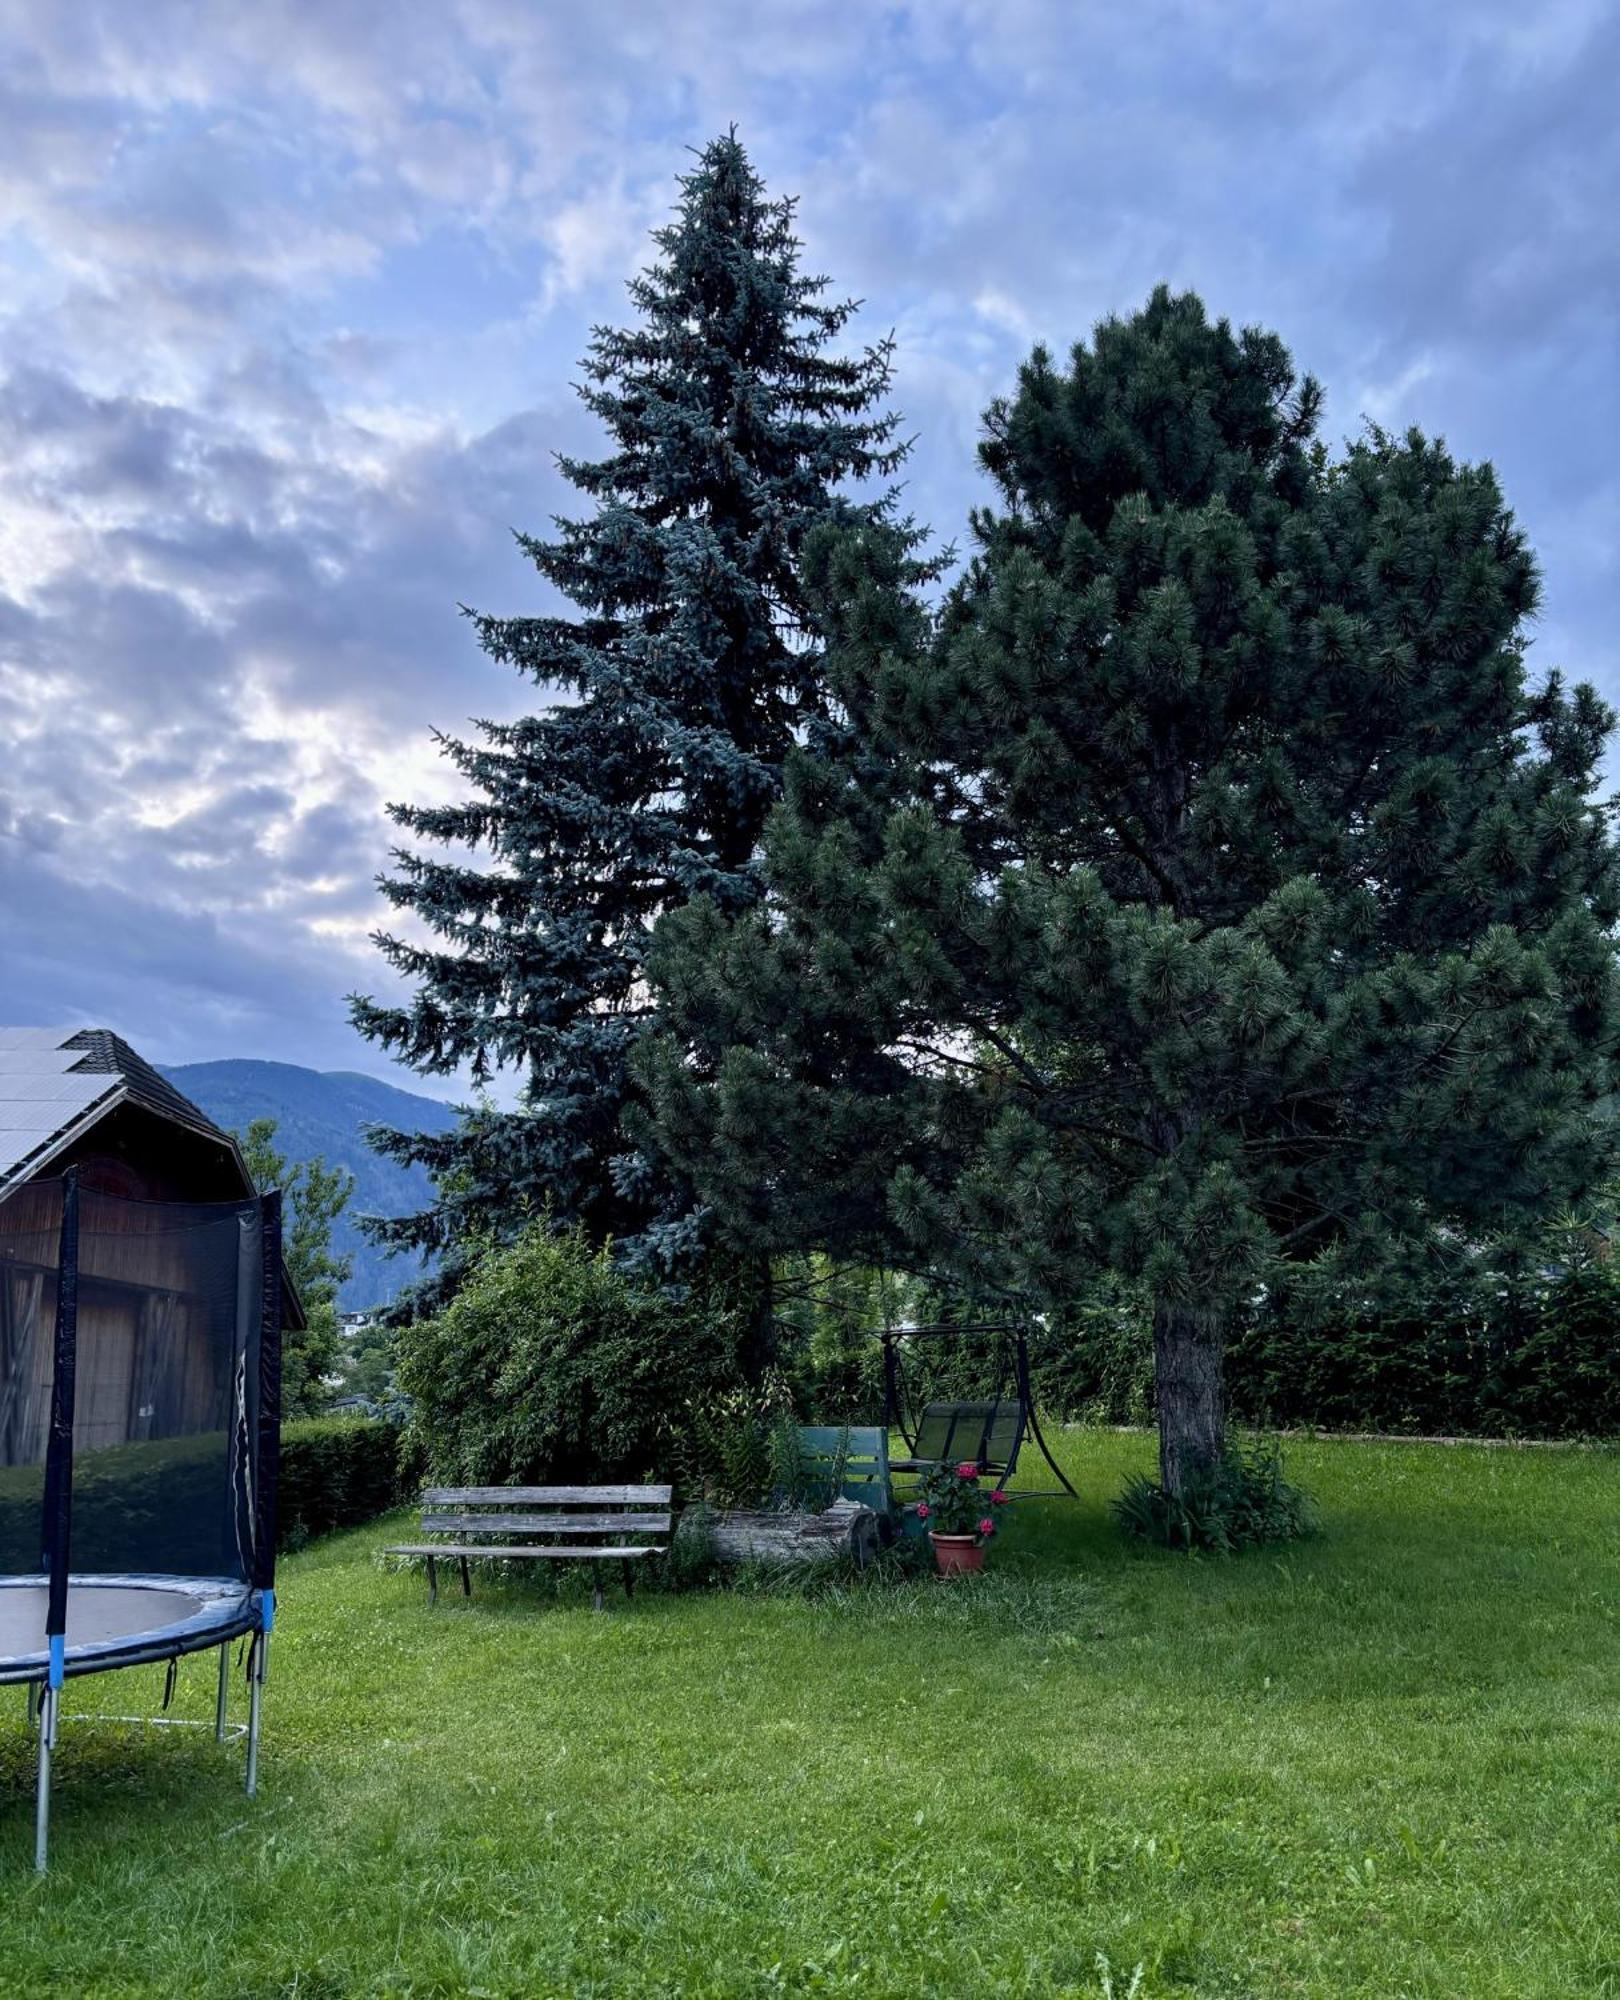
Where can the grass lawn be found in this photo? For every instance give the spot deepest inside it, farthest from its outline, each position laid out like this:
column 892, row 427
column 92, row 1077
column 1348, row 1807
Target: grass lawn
column 1384, row 1763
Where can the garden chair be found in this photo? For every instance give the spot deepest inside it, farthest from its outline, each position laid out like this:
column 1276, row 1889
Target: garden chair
column 856, row 1462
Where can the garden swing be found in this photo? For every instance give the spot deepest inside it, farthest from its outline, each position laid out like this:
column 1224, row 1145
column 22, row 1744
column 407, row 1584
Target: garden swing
column 992, row 1432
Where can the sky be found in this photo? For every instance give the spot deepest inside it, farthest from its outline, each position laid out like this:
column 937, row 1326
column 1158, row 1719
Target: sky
column 292, row 295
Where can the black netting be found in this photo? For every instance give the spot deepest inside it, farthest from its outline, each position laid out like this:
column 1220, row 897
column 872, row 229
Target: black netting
column 30, row 1232
column 166, row 1391
column 165, row 1355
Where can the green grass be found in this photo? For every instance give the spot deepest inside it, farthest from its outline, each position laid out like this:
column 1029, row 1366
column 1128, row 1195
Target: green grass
column 1382, row 1763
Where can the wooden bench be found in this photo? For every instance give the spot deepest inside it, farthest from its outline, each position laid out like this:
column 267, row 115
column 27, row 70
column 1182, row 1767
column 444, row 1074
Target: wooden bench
column 594, row 1524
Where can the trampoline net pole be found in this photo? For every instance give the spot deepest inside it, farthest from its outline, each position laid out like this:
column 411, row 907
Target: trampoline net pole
column 42, row 1794
column 58, row 1523
column 267, row 1444
column 268, row 1466
column 257, row 1648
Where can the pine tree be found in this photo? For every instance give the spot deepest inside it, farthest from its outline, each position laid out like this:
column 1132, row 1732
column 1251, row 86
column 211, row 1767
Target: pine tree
column 1207, row 886
column 736, row 418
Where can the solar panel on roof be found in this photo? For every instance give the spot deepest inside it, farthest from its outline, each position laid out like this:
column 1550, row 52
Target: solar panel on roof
column 51, row 1078
column 44, row 1089
column 34, row 1038
column 43, row 1092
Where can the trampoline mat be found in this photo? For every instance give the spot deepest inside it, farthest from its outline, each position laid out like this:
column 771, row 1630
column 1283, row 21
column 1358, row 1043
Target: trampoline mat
column 119, row 1621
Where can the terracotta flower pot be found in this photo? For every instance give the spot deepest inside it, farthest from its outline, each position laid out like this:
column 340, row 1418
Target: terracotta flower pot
column 957, row 1555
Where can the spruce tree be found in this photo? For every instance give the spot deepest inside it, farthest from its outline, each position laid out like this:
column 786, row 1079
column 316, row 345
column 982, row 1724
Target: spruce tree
column 1207, row 886
column 736, row 416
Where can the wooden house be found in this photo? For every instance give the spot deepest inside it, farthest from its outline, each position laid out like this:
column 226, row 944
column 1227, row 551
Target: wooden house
column 161, row 1281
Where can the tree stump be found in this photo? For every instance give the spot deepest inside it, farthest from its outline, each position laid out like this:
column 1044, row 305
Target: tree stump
column 771, row 1535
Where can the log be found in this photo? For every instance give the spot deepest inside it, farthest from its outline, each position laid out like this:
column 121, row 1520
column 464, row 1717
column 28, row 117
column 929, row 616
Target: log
column 745, row 1534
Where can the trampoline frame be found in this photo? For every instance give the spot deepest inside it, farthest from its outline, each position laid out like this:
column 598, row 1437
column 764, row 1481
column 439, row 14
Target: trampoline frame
column 250, row 1603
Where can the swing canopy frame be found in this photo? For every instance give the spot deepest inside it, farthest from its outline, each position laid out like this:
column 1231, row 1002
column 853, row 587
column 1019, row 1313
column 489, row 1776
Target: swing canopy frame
column 992, row 1432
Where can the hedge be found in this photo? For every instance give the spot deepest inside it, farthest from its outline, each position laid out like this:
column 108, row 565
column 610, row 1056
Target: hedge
column 158, row 1506
column 1530, row 1357
column 1536, row 1356
column 336, row 1472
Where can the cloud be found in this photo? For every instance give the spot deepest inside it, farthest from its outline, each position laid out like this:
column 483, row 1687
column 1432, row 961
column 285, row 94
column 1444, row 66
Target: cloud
column 291, row 297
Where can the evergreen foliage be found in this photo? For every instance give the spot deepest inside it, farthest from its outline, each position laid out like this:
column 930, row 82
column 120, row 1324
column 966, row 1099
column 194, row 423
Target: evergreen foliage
column 1207, row 887
column 735, row 417
column 1485, row 1351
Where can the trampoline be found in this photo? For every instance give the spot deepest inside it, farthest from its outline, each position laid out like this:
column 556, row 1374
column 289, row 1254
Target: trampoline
column 140, row 1364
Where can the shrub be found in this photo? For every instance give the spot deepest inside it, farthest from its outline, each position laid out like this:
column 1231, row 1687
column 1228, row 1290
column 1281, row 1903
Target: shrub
column 1240, row 1502
column 336, row 1472
column 551, row 1366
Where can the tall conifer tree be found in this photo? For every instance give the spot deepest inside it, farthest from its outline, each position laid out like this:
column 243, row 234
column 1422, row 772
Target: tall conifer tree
column 1209, row 885
column 737, row 417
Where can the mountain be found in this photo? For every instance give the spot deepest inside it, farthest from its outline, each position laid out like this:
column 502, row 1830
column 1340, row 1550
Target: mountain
column 324, row 1111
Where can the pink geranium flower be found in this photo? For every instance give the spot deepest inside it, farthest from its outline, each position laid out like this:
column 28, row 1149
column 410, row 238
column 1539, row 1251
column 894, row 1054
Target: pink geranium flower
column 998, row 1498
column 923, row 1510
column 968, row 1469
column 987, row 1526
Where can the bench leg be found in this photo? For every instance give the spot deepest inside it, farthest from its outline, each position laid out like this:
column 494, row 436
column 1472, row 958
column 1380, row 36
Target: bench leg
column 433, row 1580
column 596, row 1580
column 466, row 1579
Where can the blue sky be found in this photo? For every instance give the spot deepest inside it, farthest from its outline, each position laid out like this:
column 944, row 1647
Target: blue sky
column 291, row 297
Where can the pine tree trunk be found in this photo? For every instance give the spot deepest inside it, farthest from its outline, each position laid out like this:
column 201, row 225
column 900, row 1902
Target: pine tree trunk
column 1188, row 1349
column 762, row 1343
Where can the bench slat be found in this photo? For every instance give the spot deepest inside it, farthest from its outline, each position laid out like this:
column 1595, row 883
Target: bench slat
column 539, row 1523
column 567, row 1496
column 530, row 1552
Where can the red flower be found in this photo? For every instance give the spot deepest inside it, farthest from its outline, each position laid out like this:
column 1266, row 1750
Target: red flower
column 968, row 1469
column 923, row 1510
column 998, row 1498
column 987, row 1526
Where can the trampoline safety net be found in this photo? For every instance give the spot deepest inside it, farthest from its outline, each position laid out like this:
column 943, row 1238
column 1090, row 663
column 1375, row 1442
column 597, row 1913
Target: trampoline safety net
column 139, row 1373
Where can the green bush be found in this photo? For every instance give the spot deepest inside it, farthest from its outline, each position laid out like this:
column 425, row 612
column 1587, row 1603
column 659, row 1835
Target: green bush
column 1240, row 1502
column 158, row 1504
column 336, row 1472
column 551, row 1366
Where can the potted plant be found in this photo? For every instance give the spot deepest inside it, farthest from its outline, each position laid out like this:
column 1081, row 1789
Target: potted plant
column 958, row 1518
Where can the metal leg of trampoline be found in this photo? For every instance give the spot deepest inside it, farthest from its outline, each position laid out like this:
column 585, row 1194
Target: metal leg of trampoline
column 256, row 1664
column 222, row 1699
column 42, row 1796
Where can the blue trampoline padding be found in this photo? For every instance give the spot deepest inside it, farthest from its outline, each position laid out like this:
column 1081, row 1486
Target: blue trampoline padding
column 120, row 1621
